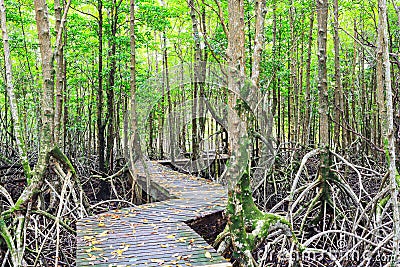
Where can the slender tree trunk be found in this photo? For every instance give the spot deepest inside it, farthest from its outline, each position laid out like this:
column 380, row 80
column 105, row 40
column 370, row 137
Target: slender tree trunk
column 322, row 14
column 46, row 133
column 171, row 122
column 236, row 59
column 384, row 84
column 364, row 101
column 324, row 125
column 47, row 101
column 258, row 42
column 308, row 106
column 132, row 84
column 161, row 104
column 293, row 93
column 338, row 81
column 241, row 210
column 300, row 101
column 59, row 74
column 16, row 247
column 274, row 76
column 110, row 120
column 353, row 85
column 100, row 126
column 196, row 83
column 18, row 130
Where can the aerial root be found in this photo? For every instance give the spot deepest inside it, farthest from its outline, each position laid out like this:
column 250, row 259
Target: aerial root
column 261, row 227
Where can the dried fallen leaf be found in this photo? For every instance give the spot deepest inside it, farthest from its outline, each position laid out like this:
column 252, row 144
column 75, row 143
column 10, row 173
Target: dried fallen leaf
column 88, row 237
column 91, row 257
column 186, row 257
column 208, row 255
column 93, row 249
column 95, row 242
column 159, row 261
column 119, row 252
column 182, row 240
column 103, row 234
column 101, row 224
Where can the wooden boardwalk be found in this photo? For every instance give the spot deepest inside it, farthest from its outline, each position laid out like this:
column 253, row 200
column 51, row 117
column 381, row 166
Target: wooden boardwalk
column 154, row 234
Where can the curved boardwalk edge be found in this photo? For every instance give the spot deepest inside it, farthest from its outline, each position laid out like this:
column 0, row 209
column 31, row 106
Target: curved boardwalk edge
column 154, row 234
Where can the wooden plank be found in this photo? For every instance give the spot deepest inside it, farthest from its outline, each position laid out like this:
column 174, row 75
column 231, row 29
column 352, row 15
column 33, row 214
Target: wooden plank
column 225, row 264
column 155, row 231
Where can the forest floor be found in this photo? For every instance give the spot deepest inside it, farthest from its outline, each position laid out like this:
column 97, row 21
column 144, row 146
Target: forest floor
column 270, row 196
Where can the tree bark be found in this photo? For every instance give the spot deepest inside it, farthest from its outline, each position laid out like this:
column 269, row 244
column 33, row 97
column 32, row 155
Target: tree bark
column 384, row 84
column 11, row 96
column 135, row 143
column 59, row 74
column 322, row 14
column 308, row 107
column 293, row 91
column 47, row 101
column 198, row 85
column 258, row 42
column 110, row 120
column 100, row 125
column 243, row 215
column 338, row 81
column 324, row 173
column 16, row 246
column 274, row 76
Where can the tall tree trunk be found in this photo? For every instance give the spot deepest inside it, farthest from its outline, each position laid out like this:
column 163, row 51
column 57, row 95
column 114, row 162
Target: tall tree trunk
column 198, row 58
column 353, row 85
column 338, row 81
column 47, row 101
column 171, row 122
column 243, row 215
column 110, row 120
column 364, row 102
column 322, row 14
column 59, row 74
column 324, row 125
column 308, row 106
column 274, row 76
column 35, row 182
column 258, row 42
column 100, row 125
column 293, row 93
column 161, row 103
column 384, row 84
column 135, row 143
column 15, row 247
column 18, row 130
column 236, row 60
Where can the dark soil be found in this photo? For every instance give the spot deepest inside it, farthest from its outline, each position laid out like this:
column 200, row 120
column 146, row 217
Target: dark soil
column 208, row 227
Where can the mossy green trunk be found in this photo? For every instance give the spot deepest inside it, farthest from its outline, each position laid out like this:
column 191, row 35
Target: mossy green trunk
column 246, row 223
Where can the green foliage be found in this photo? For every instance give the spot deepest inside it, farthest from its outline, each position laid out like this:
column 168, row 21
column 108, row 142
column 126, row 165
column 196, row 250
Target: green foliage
column 154, row 16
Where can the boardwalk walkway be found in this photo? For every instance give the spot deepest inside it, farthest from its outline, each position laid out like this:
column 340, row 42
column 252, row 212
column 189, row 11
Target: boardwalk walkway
column 154, row 234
